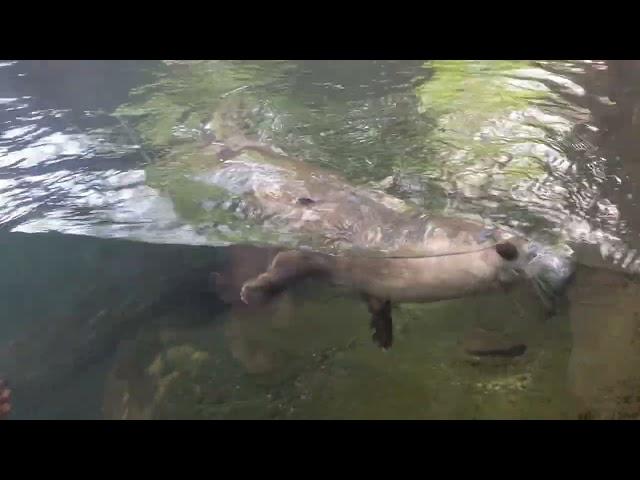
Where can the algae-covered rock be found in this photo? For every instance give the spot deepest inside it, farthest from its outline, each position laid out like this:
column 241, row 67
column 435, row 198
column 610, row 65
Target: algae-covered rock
column 605, row 359
column 312, row 357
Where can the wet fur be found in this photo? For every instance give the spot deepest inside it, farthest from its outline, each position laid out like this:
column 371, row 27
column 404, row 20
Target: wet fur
column 383, row 281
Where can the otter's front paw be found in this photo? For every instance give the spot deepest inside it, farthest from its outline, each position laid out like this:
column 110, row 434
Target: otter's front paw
column 253, row 293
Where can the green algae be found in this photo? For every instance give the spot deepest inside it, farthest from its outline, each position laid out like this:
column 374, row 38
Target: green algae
column 317, row 361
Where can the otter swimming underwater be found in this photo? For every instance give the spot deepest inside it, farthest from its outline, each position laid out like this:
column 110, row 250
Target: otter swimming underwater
column 368, row 241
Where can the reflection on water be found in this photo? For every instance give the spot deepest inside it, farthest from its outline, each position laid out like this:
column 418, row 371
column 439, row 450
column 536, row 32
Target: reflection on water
column 211, row 166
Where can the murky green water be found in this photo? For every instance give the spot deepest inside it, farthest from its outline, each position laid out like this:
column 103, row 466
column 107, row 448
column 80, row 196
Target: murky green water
column 109, row 238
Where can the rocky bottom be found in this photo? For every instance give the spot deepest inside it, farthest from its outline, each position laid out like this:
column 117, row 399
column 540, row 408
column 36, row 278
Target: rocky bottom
column 311, row 357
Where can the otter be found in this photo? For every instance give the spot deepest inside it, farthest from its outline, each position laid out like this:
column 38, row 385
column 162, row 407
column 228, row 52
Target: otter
column 369, row 241
column 383, row 281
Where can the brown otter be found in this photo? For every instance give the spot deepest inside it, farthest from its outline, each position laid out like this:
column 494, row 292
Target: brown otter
column 382, row 281
column 367, row 240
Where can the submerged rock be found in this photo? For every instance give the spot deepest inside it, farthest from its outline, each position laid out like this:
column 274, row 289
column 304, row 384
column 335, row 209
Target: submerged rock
column 604, row 367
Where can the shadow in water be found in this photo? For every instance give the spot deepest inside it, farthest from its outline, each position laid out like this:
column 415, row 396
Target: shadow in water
column 69, row 301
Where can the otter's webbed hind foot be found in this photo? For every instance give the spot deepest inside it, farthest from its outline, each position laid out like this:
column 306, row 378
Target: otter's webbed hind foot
column 381, row 321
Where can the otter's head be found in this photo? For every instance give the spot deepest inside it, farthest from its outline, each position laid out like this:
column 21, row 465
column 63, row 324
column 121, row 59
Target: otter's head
column 549, row 269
